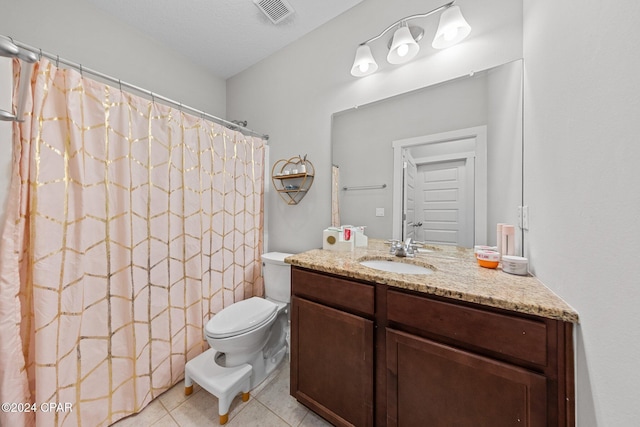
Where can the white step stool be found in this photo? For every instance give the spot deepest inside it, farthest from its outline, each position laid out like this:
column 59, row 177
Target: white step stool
column 224, row 383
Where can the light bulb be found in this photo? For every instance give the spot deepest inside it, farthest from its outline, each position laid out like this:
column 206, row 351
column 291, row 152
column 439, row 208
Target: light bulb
column 403, row 49
column 363, row 64
column 450, row 34
column 452, row 29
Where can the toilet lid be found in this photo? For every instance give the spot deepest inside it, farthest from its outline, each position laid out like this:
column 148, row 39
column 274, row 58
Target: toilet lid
column 240, row 317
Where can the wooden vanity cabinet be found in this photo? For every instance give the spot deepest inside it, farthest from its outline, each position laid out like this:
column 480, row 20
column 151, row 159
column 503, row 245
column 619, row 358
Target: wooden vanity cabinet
column 451, row 364
column 332, row 347
column 438, row 361
column 437, row 385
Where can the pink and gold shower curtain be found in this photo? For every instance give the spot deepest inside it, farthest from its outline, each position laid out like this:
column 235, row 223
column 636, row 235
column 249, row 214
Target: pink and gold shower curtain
column 129, row 224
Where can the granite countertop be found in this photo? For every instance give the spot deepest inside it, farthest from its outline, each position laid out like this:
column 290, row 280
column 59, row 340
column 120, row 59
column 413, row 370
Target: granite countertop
column 456, row 275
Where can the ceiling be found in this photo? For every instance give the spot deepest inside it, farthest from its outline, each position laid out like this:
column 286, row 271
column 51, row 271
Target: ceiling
column 224, row 36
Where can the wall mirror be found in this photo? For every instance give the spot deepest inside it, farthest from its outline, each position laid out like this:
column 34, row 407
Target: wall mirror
column 441, row 164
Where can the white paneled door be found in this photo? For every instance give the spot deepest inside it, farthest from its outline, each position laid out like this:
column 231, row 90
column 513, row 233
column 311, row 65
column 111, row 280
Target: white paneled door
column 450, row 187
column 444, row 200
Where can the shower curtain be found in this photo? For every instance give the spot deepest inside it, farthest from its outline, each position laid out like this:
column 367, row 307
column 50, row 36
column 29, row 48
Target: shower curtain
column 129, row 224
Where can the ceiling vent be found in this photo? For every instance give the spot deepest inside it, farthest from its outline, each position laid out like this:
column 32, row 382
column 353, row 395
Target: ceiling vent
column 276, row 10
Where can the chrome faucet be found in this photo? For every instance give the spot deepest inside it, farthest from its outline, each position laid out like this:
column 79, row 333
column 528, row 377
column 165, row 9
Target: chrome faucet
column 402, row 250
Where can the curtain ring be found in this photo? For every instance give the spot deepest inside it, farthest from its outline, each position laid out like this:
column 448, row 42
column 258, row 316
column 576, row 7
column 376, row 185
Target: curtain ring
column 81, row 74
column 153, row 98
column 40, row 56
column 57, row 61
column 120, row 84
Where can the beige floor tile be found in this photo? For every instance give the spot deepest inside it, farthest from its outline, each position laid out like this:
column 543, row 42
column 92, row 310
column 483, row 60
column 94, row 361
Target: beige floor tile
column 199, row 409
column 153, row 412
column 275, row 396
column 313, row 420
column 202, row 408
column 166, row 421
column 174, row 397
column 255, row 414
column 270, row 405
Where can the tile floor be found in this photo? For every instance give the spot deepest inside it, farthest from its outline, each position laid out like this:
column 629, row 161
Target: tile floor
column 270, row 405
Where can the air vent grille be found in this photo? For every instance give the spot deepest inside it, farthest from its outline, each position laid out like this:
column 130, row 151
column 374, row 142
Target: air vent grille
column 276, row 10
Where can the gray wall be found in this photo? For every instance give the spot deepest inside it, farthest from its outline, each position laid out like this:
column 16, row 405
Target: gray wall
column 582, row 110
column 78, row 31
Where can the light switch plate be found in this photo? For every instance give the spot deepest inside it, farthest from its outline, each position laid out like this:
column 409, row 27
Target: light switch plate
column 379, row 211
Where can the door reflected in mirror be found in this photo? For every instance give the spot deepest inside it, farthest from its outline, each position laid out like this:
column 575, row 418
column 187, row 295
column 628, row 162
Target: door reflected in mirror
column 461, row 186
column 440, row 187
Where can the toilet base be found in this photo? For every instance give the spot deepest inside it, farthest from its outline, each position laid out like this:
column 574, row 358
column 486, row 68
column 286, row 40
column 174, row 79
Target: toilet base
column 224, row 383
column 263, row 367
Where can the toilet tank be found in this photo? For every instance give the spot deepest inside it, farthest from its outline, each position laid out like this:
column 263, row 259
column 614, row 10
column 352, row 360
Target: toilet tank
column 277, row 276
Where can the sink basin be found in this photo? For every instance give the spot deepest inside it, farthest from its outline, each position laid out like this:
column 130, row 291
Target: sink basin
column 396, row 267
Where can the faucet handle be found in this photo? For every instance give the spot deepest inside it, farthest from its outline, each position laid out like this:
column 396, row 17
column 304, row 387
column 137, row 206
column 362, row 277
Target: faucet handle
column 412, row 250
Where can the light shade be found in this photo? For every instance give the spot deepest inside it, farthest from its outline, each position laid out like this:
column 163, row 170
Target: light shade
column 453, row 28
column 364, row 64
column 403, row 47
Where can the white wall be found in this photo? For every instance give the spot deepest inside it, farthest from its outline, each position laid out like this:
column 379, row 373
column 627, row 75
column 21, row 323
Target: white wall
column 292, row 94
column 78, row 31
column 582, row 157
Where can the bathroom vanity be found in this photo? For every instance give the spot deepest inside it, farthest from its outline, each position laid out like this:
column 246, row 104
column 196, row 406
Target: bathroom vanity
column 462, row 346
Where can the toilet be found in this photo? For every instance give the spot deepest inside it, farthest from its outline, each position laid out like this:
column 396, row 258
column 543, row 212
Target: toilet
column 248, row 339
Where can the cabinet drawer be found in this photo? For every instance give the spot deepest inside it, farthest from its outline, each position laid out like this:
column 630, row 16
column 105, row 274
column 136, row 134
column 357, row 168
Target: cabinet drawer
column 509, row 335
column 333, row 291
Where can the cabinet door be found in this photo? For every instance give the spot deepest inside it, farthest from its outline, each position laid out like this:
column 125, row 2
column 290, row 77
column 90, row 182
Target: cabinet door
column 430, row 384
column 332, row 362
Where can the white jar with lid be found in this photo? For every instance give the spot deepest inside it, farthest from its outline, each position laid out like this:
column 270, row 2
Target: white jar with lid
column 515, row 265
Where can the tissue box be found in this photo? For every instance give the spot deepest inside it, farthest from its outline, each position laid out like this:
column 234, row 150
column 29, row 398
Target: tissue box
column 338, row 239
column 361, row 239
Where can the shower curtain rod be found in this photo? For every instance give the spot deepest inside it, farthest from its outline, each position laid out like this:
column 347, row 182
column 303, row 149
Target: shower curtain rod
column 120, row 84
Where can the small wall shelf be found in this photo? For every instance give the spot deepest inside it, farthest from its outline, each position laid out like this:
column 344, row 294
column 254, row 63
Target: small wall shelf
column 292, row 178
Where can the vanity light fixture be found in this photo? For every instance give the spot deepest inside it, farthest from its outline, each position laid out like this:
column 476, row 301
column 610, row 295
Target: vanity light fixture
column 403, row 46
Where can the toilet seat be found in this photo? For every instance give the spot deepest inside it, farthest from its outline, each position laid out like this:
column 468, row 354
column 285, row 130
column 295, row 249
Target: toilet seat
column 281, row 305
column 241, row 317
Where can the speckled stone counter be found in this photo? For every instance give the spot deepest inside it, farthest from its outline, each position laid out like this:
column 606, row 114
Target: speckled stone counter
column 456, row 275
